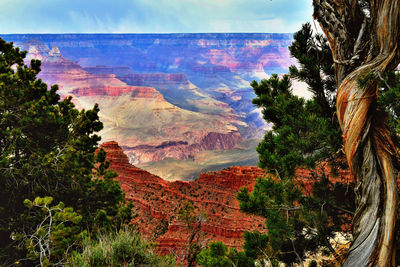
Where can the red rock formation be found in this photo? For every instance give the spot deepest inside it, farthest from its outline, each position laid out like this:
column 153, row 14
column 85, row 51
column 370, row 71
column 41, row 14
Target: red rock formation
column 307, row 178
column 157, row 201
column 232, row 178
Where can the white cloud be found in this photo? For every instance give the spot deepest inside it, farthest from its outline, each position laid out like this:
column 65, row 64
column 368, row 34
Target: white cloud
column 268, row 26
column 54, row 16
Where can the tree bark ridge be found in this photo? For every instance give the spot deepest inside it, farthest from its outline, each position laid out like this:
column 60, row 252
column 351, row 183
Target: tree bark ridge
column 369, row 48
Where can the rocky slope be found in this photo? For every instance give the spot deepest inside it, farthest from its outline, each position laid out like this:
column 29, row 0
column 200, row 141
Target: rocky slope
column 306, row 178
column 180, row 91
column 192, row 71
column 157, row 201
column 139, row 117
column 182, row 150
column 165, row 96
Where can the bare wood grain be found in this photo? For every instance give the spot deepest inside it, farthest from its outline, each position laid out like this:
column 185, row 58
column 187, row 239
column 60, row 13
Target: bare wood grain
column 365, row 45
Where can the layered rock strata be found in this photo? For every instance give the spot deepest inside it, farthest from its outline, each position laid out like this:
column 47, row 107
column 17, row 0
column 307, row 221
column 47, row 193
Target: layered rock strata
column 157, row 202
column 149, row 126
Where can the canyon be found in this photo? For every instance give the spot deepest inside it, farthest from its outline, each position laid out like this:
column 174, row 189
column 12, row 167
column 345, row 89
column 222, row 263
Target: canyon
column 213, row 195
column 166, row 98
column 157, row 201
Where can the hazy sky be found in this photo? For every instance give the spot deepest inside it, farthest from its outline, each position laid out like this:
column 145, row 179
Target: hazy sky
column 152, row 16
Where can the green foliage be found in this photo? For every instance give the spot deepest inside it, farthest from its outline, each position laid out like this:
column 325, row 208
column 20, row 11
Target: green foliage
column 188, row 215
column 47, row 148
column 389, row 103
column 215, row 255
column 218, row 255
column 122, row 248
column 57, row 232
column 255, row 243
column 296, row 223
column 305, row 133
column 193, row 221
column 276, row 201
column 283, row 109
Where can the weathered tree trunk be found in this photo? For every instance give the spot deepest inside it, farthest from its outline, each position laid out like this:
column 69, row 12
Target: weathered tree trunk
column 364, row 38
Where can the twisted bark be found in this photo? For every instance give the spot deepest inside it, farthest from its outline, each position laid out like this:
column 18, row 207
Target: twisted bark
column 364, row 39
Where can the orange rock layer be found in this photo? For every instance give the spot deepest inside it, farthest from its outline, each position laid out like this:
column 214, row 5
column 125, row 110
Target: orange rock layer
column 157, row 202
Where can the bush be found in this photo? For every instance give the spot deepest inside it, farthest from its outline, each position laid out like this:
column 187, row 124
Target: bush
column 122, row 248
column 219, row 255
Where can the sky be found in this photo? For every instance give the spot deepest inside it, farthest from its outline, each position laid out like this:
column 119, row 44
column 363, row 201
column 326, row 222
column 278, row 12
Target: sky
column 153, row 16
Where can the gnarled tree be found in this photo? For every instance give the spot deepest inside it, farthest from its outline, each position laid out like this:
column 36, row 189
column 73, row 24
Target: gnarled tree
column 364, row 36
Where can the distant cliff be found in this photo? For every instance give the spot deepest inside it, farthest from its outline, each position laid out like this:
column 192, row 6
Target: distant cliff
column 165, row 96
column 182, row 149
column 218, row 64
column 162, row 52
column 138, row 116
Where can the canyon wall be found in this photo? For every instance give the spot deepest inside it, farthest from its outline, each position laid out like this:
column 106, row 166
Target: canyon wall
column 150, row 127
column 165, row 96
column 213, row 194
column 157, row 202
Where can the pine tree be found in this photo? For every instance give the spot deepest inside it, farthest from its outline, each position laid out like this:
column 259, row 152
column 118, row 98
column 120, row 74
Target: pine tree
column 193, row 222
column 47, row 149
column 305, row 133
column 218, row 255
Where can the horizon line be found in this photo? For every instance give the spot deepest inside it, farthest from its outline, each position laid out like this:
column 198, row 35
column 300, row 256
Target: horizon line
column 88, row 33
